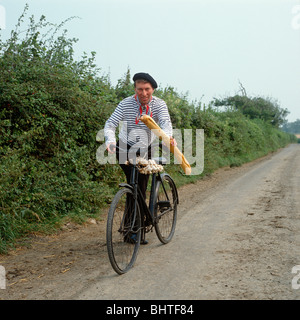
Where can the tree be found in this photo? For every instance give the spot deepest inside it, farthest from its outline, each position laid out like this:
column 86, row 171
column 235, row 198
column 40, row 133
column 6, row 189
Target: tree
column 292, row 127
column 266, row 109
column 124, row 87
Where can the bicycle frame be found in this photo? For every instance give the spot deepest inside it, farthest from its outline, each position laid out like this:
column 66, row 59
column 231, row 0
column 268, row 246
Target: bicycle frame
column 147, row 212
column 133, row 185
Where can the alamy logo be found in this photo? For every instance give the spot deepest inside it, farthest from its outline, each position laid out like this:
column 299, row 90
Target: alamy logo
column 295, row 280
column 189, row 140
column 296, row 19
column 2, row 17
column 2, row 278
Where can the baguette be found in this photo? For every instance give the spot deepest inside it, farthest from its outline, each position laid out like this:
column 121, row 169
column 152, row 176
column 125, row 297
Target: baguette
column 151, row 124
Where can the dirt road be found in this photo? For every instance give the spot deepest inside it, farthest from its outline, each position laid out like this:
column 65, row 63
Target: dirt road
column 237, row 237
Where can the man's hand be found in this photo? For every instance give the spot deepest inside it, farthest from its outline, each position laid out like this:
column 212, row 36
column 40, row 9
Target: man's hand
column 173, row 142
column 111, row 148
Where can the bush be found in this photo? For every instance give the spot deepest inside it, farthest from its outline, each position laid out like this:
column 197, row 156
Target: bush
column 51, row 110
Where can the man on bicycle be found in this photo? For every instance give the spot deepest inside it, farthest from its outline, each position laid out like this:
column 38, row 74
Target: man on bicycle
column 134, row 133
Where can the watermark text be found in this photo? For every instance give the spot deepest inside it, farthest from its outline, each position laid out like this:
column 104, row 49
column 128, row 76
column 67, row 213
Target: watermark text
column 295, row 280
column 295, row 23
column 189, row 141
column 2, row 278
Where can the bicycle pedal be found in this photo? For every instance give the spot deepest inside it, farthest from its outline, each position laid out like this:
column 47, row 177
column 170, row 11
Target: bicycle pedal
column 131, row 239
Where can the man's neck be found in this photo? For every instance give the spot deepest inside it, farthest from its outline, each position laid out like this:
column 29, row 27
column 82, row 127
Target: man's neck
column 145, row 104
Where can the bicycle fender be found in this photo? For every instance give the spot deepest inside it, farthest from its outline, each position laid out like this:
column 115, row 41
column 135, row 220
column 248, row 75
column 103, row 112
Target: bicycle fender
column 125, row 185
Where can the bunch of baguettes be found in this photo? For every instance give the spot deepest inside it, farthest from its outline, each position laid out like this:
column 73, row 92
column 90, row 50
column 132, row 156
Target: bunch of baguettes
column 151, row 124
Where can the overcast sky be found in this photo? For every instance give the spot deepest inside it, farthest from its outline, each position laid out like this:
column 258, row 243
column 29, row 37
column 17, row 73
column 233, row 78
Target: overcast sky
column 203, row 47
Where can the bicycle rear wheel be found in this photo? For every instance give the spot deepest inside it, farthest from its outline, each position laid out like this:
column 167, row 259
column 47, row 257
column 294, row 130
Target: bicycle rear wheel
column 123, row 233
column 165, row 211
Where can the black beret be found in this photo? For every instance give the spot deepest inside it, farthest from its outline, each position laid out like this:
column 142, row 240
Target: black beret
column 145, row 76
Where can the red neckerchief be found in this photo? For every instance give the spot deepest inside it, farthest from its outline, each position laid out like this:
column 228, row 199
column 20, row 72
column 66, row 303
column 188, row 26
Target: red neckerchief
column 137, row 119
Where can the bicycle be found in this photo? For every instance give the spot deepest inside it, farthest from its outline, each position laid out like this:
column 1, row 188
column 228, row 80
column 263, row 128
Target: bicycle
column 130, row 218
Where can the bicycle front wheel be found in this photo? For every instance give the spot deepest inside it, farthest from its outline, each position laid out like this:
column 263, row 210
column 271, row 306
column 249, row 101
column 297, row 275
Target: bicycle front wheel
column 165, row 211
column 123, row 233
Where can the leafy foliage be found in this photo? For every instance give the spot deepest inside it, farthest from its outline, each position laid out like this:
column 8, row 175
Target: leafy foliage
column 257, row 107
column 292, row 127
column 51, row 110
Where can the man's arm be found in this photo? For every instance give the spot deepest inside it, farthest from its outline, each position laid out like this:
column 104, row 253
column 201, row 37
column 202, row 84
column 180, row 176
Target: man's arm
column 110, row 127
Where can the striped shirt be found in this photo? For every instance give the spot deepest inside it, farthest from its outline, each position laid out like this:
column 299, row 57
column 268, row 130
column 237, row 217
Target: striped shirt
column 132, row 132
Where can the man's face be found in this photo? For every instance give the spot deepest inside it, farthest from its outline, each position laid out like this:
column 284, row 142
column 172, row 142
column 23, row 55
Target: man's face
column 144, row 92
